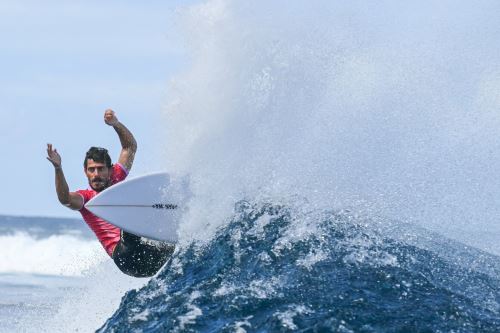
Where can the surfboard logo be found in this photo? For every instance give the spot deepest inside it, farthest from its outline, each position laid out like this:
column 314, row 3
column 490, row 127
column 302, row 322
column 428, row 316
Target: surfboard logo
column 165, row 206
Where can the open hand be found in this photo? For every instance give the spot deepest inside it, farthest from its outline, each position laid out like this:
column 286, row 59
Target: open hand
column 110, row 117
column 53, row 156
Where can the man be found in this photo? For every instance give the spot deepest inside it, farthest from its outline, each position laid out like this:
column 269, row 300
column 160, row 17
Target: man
column 133, row 255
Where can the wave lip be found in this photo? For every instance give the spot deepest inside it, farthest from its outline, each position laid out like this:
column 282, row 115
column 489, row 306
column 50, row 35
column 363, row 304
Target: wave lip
column 273, row 269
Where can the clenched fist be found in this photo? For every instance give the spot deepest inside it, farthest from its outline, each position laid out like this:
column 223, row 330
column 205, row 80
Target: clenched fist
column 110, row 117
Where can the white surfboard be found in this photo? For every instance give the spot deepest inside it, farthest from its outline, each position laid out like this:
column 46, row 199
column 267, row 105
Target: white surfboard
column 150, row 206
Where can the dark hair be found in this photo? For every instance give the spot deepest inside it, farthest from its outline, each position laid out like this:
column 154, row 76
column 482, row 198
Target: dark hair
column 98, row 155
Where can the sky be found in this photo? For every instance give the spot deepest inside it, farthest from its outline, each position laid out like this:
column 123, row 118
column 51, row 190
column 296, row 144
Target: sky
column 63, row 63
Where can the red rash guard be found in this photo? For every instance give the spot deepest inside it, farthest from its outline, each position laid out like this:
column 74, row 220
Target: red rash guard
column 108, row 234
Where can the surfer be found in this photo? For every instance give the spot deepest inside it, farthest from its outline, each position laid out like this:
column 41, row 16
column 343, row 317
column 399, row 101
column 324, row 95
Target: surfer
column 134, row 256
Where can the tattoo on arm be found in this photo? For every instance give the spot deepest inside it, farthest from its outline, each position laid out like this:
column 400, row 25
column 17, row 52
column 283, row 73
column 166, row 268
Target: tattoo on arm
column 129, row 145
column 127, row 140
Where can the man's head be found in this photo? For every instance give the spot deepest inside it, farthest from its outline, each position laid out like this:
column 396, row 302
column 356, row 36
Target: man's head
column 97, row 166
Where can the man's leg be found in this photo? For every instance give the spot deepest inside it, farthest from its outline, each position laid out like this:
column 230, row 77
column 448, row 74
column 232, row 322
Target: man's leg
column 140, row 259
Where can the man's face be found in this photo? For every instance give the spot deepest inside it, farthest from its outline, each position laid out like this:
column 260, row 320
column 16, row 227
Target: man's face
column 98, row 175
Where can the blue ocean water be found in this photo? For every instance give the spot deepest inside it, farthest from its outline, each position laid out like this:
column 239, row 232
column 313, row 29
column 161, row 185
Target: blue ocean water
column 31, row 283
column 54, row 276
column 27, row 299
column 271, row 270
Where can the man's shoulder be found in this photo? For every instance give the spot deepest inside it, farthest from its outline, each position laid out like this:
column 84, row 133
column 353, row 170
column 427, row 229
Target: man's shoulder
column 118, row 167
column 119, row 173
column 87, row 194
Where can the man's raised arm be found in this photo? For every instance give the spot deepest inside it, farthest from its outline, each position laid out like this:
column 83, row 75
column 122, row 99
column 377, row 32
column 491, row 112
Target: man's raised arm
column 69, row 199
column 127, row 140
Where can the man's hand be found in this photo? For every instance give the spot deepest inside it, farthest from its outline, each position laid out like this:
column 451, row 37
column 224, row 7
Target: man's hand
column 127, row 140
column 110, row 117
column 53, row 156
column 69, row 199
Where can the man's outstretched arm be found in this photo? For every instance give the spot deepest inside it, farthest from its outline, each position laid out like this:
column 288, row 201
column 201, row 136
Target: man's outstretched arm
column 127, row 140
column 69, row 199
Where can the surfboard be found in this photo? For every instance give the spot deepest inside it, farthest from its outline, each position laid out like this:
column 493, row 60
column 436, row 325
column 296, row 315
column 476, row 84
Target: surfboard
column 150, row 206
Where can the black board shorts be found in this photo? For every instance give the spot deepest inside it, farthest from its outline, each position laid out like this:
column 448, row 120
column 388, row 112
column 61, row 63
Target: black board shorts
column 139, row 257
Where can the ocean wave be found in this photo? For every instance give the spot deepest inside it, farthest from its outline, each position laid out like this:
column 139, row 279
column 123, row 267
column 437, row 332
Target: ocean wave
column 43, row 227
column 271, row 268
column 70, row 255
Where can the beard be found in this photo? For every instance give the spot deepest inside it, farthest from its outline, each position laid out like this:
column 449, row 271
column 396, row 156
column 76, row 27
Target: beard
column 99, row 184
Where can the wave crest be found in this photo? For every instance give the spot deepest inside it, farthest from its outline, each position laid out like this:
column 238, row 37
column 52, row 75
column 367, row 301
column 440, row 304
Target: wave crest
column 270, row 268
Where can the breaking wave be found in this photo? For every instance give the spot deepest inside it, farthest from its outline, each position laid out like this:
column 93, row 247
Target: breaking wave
column 270, row 270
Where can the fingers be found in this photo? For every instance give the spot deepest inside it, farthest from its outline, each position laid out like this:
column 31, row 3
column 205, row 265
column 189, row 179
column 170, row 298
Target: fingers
column 50, row 149
column 53, row 156
column 50, row 152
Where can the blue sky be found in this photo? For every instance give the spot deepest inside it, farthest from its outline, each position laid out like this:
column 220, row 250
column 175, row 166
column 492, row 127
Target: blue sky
column 63, row 63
